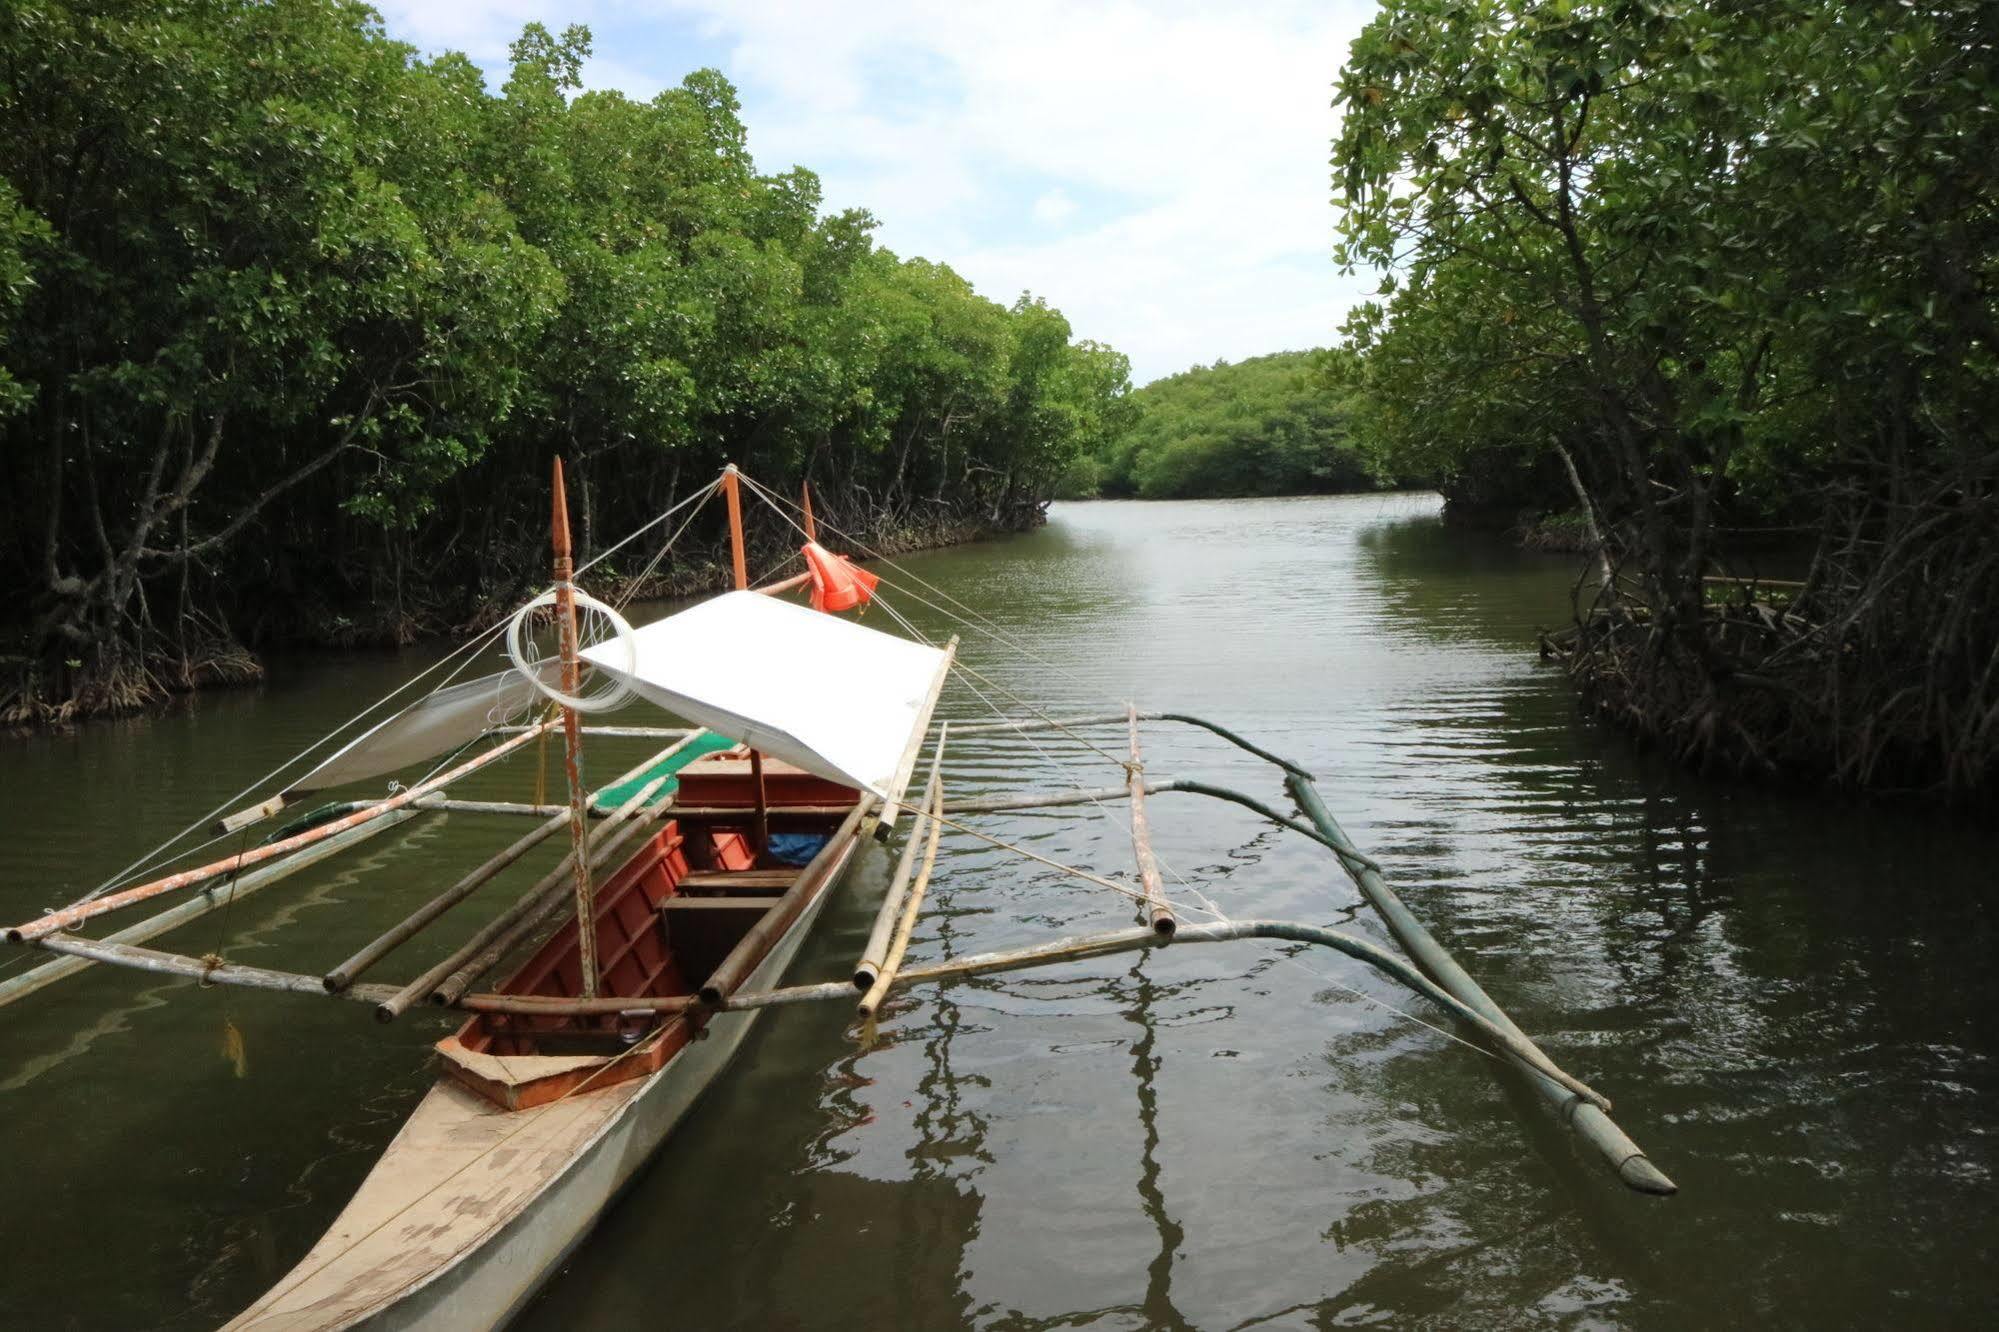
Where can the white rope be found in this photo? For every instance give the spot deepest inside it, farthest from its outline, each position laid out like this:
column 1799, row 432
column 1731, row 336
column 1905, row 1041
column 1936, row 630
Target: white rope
column 704, row 493
column 977, row 621
column 602, row 701
column 164, row 851
column 158, row 855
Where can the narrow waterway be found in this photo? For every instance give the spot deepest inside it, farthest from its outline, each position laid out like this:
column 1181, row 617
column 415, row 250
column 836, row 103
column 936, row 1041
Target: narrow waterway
column 1790, row 997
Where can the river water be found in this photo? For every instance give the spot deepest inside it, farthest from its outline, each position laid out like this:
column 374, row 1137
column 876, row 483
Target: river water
column 1791, row 999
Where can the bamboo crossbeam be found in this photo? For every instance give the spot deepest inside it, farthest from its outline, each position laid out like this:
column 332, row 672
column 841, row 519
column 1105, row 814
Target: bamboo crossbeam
column 1011, row 724
column 548, row 887
column 447, row 805
column 347, row 972
column 1154, row 911
column 74, row 915
column 876, row 952
column 1008, row 725
column 912, row 904
column 1587, row 1117
column 749, row 951
column 207, row 899
column 617, row 732
column 213, row 972
column 1063, row 951
column 1106, row 794
column 1049, row 799
column 198, row 969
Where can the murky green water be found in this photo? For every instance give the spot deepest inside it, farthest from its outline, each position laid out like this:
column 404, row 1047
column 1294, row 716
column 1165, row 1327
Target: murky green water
column 1790, row 998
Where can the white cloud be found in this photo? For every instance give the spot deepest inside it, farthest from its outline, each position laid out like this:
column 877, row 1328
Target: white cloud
column 1054, row 208
column 1158, row 170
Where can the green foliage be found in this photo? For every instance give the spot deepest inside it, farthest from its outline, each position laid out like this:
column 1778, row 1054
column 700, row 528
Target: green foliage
column 1265, row 426
column 1717, row 261
column 291, row 321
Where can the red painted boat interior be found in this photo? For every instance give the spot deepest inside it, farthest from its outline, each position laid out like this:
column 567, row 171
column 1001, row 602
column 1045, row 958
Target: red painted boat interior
column 669, row 915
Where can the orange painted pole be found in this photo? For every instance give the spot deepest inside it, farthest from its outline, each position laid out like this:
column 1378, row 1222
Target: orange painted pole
column 572, row 740
column 742, row 571
column 733, row 494
column 82, row 911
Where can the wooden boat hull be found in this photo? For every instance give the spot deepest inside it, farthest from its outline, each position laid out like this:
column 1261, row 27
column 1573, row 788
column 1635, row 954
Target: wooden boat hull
column 473, row 1207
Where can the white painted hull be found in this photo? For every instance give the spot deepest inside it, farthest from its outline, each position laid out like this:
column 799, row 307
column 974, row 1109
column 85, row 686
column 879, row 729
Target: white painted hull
column 471, row 1248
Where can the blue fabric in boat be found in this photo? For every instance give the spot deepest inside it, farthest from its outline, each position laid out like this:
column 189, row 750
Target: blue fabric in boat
column 797, row 848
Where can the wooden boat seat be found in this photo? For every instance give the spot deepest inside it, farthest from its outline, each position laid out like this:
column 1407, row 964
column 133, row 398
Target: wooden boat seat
column 736, row 881
column 678, row 905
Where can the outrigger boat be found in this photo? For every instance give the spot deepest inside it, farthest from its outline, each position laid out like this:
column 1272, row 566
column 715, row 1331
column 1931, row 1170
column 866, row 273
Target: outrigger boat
column 643, row 958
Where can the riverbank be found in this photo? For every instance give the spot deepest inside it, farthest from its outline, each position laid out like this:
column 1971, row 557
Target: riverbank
column 200, row 660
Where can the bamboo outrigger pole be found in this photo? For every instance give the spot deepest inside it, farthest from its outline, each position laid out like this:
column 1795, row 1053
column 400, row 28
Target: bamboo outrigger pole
column 1587, row 1118
column 211, row 897
column 76, row 914
column 572, row 739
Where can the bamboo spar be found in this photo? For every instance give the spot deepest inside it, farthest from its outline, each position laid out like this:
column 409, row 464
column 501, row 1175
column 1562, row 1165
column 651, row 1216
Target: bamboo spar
column 210, row 898
column 536, row 897
column 740, row 569
column 1588, row 1119
column 1155, row 912
column 876, row 953
column 346, row 973
column 79, row 912
column 871, row 1001
column 572, row 738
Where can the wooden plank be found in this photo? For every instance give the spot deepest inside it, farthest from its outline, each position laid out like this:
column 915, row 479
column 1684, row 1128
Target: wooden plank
column 243, row 818
column 679, row 904
column 756, row 878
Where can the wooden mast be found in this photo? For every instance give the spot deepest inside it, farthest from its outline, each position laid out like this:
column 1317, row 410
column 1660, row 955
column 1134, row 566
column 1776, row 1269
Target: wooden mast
column 572, row 741
column 811, row 525
column 741, row 568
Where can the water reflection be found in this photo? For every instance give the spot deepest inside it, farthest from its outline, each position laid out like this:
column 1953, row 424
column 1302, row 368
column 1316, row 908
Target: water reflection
column 1791, row 1000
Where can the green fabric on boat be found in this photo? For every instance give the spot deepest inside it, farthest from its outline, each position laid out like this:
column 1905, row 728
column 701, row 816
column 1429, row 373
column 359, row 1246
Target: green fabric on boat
column 703, row 744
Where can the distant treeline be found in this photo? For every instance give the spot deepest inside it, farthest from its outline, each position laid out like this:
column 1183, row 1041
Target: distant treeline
column 1265, row 426
column 292, row 321
column 1715, row 276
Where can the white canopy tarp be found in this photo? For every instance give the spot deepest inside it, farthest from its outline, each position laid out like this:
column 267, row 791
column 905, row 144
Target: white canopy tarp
column 436, row 723
column 833, row 697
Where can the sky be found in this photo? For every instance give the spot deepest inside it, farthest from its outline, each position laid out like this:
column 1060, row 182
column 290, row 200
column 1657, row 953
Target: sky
column 1156, row 170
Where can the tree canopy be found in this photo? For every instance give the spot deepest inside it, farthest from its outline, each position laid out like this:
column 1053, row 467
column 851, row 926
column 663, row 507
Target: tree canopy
column 1265, row 426
column 1733, row 266
column 292, row 319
